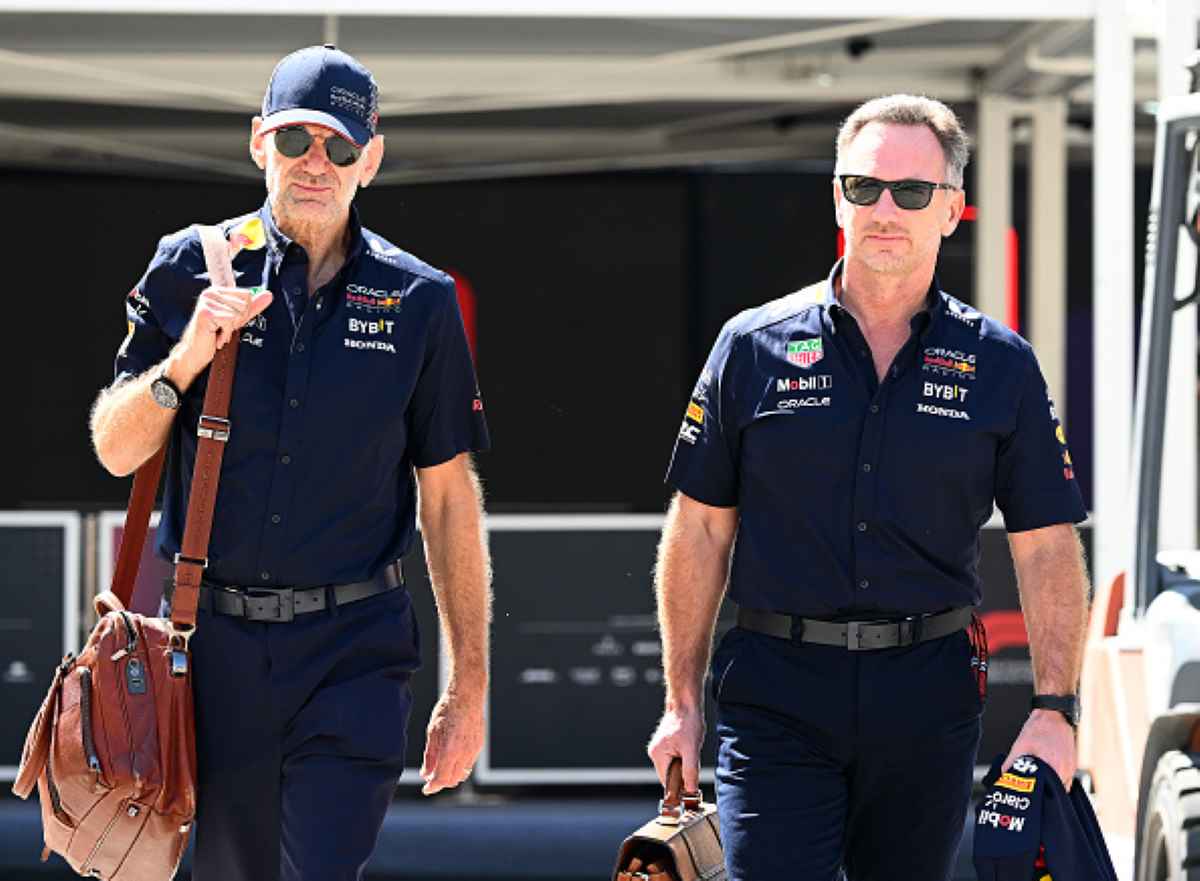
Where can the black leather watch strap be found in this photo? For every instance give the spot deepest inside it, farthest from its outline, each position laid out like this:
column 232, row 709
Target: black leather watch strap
column 165, row 393
column 1067, row 704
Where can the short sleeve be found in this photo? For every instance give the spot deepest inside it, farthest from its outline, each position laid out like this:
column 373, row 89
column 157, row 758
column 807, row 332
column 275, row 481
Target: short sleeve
column 704, row 463
column 445, row 415
column 1035, row 477
column 159, row 307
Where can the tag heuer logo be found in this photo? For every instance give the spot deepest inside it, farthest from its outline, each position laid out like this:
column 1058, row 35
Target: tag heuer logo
column 805, row 353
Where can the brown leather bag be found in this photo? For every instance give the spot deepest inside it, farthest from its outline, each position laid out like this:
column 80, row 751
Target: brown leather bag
column 112, row 749
column 683, row 843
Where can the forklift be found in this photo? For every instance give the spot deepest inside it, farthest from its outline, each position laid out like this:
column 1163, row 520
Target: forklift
column 1139, row 735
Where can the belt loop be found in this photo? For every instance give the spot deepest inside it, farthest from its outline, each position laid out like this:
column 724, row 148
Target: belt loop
column 917, row 626
column 331, row 600
column 797, row 628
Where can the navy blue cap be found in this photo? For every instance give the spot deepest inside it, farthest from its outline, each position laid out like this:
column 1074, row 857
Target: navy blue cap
column 1027, row 826
column 322, row 85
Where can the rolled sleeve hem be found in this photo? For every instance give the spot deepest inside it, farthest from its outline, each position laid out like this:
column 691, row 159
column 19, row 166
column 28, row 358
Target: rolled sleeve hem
column 702, row 494
column 1039, row 510
column 444, row 454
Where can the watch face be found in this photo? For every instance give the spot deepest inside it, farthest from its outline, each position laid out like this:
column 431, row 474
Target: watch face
column 164, row 395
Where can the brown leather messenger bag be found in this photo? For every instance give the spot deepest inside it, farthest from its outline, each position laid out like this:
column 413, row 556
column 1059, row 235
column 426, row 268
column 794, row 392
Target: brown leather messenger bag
column 112, row 749
column 683, row 843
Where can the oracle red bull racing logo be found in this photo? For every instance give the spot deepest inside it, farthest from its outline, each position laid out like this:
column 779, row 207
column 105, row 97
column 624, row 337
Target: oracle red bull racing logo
column 373, row 299
column 949, row 362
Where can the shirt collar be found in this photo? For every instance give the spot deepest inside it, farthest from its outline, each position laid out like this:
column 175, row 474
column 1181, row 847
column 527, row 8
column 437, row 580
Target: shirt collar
column 920, row 323
column 278, row 243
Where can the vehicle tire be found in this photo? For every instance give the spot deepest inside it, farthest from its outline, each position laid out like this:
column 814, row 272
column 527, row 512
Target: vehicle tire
column 1170, row 848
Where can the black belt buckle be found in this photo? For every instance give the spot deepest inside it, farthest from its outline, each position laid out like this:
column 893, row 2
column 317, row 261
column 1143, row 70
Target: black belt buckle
column 285, row 608
column 797, row 628
column 854, row 635
column 910, row 629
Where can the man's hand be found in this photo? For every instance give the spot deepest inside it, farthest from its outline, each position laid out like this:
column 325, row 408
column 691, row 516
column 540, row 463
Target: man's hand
column 679, row 733
column 452, row 741
column 1047, row 735
column 219, row 314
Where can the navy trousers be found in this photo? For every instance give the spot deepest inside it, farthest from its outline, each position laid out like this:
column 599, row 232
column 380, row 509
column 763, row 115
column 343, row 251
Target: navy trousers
column 300, row 733
column 832, row 761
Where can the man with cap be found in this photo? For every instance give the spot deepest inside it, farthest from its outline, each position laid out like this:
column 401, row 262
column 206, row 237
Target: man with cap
column 840, row 453
column 354, row 389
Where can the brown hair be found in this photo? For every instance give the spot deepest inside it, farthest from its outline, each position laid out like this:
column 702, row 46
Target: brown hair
column 913, row 110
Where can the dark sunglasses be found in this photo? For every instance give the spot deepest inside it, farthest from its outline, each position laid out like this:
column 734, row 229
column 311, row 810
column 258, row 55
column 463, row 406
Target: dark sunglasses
column 909, row 194
column 294, row 141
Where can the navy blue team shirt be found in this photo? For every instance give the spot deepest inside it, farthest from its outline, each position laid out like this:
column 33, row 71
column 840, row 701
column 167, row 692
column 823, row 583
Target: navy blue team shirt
column 859, row 496
column 335, row 399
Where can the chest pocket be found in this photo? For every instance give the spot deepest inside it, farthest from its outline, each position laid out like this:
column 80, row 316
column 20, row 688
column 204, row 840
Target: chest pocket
column 377, row 364
column 800, row 421
column 944, row 428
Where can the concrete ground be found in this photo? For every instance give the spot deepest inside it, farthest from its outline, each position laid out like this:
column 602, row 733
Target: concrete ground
column 483, row 839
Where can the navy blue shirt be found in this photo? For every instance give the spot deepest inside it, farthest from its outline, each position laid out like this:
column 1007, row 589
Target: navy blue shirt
column 336, row 398
column 856, row 495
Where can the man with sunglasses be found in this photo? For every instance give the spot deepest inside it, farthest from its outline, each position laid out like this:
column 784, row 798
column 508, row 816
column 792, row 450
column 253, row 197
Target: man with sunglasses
column 354, row 387
column 840, row 453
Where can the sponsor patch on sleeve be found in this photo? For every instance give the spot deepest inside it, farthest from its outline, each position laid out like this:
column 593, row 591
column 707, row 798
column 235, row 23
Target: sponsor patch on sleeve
column 1061, row 436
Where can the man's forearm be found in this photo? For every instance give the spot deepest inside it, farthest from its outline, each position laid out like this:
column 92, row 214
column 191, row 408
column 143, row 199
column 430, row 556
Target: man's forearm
column 128, row 427
column 460, row 571
column 1054, row 592
column 693, row 564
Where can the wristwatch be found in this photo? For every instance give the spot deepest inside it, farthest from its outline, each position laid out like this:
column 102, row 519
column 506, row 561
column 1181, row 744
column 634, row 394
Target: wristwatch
column 1067, row 704
column 165, row 393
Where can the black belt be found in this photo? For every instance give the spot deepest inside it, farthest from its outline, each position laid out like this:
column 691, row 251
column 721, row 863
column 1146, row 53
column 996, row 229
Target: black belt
column 856, row 635
column 284, row 603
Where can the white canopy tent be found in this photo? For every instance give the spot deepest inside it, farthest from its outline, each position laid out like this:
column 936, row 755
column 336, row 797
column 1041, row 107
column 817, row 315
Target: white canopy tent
column 485, row 88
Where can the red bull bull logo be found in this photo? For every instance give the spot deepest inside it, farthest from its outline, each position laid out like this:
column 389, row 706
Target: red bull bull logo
column 248, row 235
column 949, row 362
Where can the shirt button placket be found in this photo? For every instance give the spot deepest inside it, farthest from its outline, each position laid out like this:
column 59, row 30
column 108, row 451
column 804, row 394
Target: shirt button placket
column 294, row 402
column 865, row 484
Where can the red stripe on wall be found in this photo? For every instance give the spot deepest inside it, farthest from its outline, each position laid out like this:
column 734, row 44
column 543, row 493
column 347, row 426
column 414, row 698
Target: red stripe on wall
column 1013, row 316
column 1012, row 244
column 467, row 305
column 1005, row 630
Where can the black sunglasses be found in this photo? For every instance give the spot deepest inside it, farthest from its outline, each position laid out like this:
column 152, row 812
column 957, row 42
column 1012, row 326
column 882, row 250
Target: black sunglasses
column 294, row 141
column 909, row 194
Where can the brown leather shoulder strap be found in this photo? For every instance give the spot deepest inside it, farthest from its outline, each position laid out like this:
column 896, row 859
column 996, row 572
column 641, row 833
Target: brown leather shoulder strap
column 213, row 430
column 815, row 292
column 137, row 524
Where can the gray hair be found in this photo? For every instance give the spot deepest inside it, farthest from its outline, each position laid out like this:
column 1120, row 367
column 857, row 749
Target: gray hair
column 912, row 110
